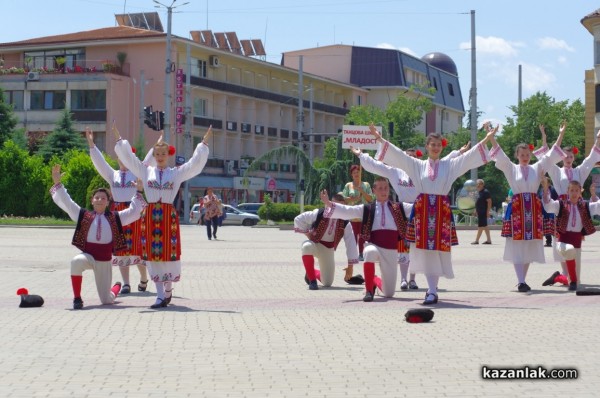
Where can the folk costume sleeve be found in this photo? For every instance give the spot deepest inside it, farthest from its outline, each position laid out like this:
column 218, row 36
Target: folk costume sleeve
column 128, row 158
column 351, row 246
column 304, row 221
column 134, row 211
column 104, row 169
column 61, row 197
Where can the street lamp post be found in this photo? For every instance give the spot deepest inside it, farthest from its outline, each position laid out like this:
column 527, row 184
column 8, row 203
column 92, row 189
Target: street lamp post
column 168, row 67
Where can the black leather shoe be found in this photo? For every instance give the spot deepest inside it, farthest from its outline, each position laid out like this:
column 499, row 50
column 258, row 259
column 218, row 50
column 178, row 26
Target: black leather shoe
column 126, row 289
column 168, row 299
column 523, row 287
column 77, row 303
column 160, row 303
column 573, row 286
column 312, row 285
column 550, row 281
column 306, row 279
column 430, row 299
column 368, row 297
column 142, row 286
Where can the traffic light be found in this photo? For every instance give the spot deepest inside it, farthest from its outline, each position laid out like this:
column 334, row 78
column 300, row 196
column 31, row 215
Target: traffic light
column 149, row 117
column 161, row 121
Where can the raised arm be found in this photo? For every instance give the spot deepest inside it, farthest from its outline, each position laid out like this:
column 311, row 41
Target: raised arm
column 101, row 165
column 60, row 195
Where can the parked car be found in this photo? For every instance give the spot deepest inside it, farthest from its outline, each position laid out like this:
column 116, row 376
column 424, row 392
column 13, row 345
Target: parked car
column 233, row 216
column 250, row 207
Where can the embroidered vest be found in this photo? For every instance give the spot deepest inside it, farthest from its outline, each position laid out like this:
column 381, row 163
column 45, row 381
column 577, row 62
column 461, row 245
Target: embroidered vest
column 586, row 218
column 318, row 228
column 84, row 223
column 369, row 215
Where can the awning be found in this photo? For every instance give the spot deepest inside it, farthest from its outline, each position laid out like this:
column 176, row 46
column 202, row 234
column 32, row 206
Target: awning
column 203, row 181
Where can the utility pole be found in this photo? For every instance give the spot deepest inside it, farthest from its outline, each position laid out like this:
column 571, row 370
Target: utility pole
column 168, row 68
column 473, row 96
column 187, row 135
column 142, row 116
column 300, row 121
column 311, row 118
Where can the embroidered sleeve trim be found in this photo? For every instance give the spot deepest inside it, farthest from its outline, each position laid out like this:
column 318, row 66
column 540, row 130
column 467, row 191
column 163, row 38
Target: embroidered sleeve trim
column 596, row 149
column 384, row 150
column 353, row 261
column 559, row 150
column 300, row 230
column 494, row 152
column 55, row 188
column 482, row 152
column 329, row 210
column 540, row 151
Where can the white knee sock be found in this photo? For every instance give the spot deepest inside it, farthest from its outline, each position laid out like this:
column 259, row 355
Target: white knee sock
column 403, row 270
column 526, row 269
column 125, row 274
column 432, row 282
column 520, row 271
column 160, row 290
column 168, row 288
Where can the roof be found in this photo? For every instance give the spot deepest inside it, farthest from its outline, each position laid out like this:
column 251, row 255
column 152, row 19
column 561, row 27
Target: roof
column 590, row 20
column 112, row 33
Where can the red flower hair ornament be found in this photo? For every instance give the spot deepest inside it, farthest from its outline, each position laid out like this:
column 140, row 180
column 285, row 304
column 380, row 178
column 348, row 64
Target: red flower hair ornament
column 444, row 142
column 531, row 147
column 133, row 149
column 171, row 150
column 418, row 153
column 575, row 150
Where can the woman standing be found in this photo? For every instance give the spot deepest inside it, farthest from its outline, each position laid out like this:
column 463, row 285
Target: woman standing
column 523, row 228
column 161, row 243
column 357, row 192
column 122, row 187
column 431, row 229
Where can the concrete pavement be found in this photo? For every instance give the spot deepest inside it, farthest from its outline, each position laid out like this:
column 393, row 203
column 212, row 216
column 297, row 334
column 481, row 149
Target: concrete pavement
column 242, row 323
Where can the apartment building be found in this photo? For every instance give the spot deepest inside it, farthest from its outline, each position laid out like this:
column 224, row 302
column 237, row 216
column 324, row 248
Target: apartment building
column 111, row 74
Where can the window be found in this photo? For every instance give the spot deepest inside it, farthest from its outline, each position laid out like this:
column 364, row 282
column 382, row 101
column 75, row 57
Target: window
column 199, row 107
column 14, row 98
column 48, row 100
column 597, row 98
column 451, row 89
column 359, row 100
column 88, row 99
column 414, row 78
column 435, row 83
column 246, row 127
column 198, row 67
column 49, row 59
column 597, row 53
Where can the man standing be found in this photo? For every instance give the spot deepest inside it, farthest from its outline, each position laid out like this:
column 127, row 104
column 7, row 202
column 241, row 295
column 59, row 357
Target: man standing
column 483, row 206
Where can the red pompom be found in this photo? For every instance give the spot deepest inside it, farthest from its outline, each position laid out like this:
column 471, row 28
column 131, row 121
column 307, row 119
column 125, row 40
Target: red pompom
column 444, row 142
column 171, row 150
column 414, row 319
column 419, row 153
column 133, row 150
column 22, row 291
column 531, row 147
column 575, row 150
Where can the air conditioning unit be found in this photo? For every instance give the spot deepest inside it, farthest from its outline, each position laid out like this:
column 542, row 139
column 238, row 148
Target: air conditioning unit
column 32, row 76
column 213, row 60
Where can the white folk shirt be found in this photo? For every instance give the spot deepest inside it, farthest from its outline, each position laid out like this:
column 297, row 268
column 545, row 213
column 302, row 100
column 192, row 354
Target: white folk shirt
column 561, row 176
column 122, row 183
column 383, row 218
column 303, row 223
column 162, row 184
column 574, row 223
column 100, row 223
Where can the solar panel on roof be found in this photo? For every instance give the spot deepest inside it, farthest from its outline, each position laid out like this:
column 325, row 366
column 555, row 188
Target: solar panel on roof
column 258, row 47
column 142, row 20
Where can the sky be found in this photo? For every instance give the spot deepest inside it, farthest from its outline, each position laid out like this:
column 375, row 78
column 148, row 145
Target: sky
column 545, row 37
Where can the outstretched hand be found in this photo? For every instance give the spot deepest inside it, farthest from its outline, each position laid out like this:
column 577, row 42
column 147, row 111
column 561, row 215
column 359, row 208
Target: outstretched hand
column 89, row 134
column 561, row 133
column 139, row 184
column 465, row 147
column 325, row 197
column 207, row 135
column 491, row 134
column 355, row 151
column 374, row 132
column 115, row 131
column 56, row 175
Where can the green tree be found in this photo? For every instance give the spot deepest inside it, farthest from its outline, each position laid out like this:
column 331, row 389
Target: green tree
column 406, row 112
column 8, row 120
column 62, row 138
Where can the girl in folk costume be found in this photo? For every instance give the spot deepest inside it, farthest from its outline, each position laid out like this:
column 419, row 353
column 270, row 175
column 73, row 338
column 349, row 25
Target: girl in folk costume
column 407, row 192
column 161, row 243
column 561, row 177
column 523, row 227
column 122, row 187
column 324, row 235
column 574, row 221
column 97, row 235
column 357, row 192
column 431, row 228
column 383, row 225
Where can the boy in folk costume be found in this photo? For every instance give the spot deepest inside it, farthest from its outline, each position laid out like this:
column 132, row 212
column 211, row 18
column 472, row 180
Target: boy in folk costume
column 324, row 235
column 407, row 192
column 161, row 242
column 574, row 220
column 383, row 225
column 122, row 187
column 523, row 227
column 97, row 235
column 431, row 227
column 561, row 178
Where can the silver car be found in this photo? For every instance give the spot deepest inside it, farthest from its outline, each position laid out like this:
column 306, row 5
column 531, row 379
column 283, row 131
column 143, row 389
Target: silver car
column 233, row 216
